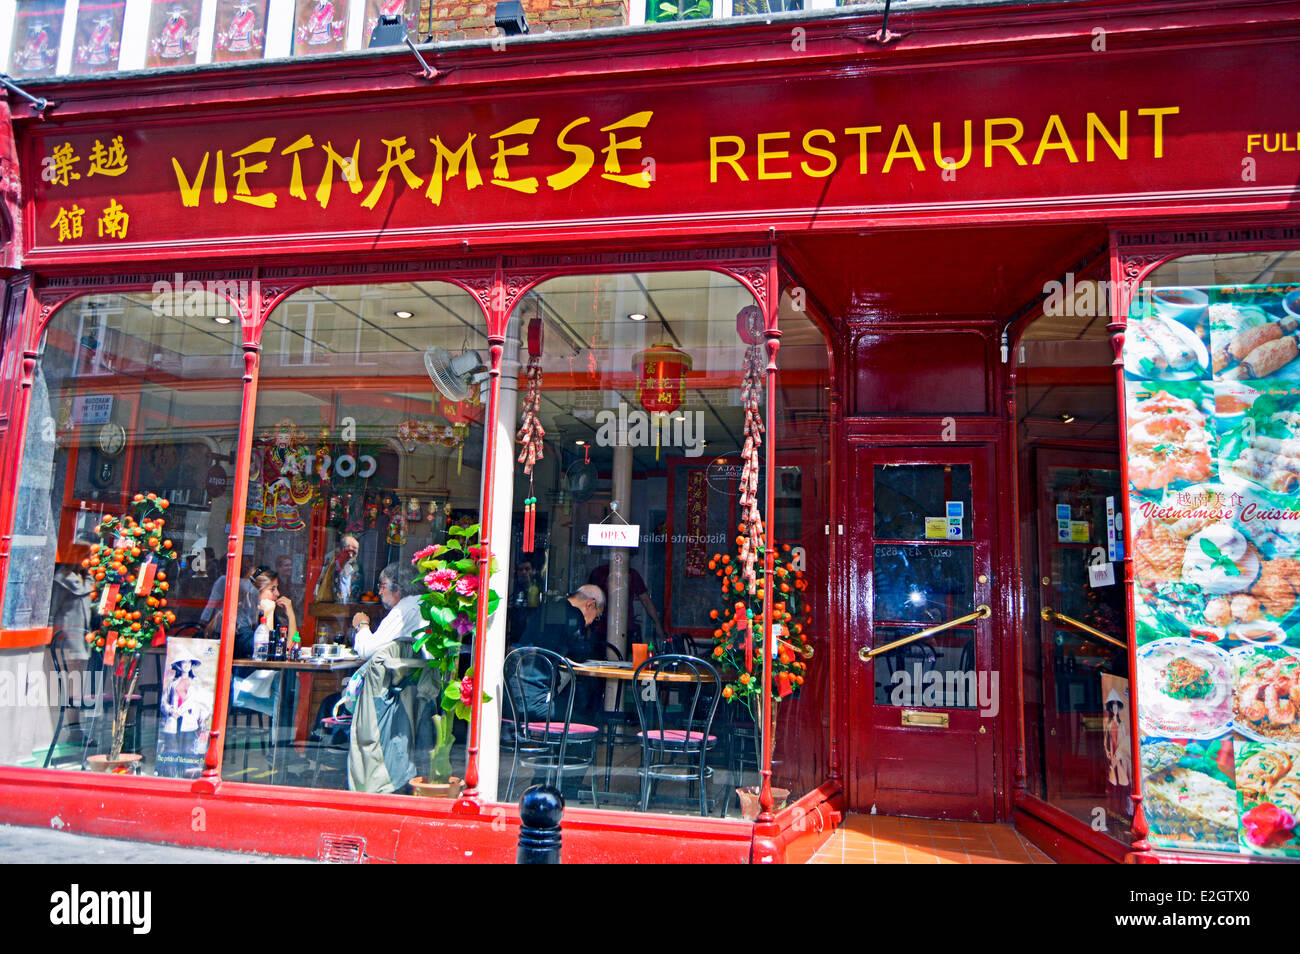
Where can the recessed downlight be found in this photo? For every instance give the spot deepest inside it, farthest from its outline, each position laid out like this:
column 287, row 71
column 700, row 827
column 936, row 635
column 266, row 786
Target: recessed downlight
column 403, row 314
column 636, row 316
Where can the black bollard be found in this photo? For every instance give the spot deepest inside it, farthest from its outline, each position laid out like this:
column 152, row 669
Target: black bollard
column 540, row 810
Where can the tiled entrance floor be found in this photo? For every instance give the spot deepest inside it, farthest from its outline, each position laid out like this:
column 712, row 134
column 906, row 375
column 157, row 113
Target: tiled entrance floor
column 885, row 840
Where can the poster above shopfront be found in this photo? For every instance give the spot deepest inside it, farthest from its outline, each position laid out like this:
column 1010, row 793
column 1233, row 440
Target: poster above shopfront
column 882, row 144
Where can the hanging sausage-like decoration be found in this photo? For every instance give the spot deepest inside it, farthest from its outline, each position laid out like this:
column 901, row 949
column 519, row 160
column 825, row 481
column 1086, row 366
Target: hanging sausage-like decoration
column 749, row 325
column 531, row 433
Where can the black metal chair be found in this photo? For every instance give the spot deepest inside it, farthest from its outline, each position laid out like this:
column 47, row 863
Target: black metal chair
column 84, row 691
column 540, row 687
column 676, row 739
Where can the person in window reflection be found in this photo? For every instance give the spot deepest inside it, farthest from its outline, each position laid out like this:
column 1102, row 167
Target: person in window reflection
column 638, row 593
column 246, row 600
column 399, row 591
column 564, row 627
column 340, row 581
column 284, row 568
column 267, row 585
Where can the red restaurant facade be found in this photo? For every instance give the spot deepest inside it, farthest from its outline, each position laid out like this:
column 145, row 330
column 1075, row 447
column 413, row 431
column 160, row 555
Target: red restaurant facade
column 942, row 233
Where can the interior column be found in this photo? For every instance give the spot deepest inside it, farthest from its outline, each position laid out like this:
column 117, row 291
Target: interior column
column 616, row 600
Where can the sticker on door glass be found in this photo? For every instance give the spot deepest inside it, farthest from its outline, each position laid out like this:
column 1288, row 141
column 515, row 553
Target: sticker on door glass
column 936, row 528
column 956, row 509
column 1080, row 531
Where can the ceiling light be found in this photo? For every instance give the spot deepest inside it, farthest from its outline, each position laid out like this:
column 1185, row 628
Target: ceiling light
column 221, row 320
column 403, row 314
column 581, row 443
column 636, row 316
column 1067, row 418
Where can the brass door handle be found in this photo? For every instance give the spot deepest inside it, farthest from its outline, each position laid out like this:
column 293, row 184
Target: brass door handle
column 1049, row 615
column 981, row 612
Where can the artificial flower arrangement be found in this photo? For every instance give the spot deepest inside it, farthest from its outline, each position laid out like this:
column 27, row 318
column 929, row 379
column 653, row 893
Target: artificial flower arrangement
column 130, row 595
column 451, row 608
column 739, row 640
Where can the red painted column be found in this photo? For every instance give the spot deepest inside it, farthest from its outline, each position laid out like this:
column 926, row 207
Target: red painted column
column 251, row 322
column 1121, row 296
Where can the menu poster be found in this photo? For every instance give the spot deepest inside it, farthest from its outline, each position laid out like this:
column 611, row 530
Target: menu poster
column 38, row 25
column 319, row 26
column 241, row 30
column 173, row 33
column 1213, row 406
column 185, row 706
column 408, row 10
column 98, row 35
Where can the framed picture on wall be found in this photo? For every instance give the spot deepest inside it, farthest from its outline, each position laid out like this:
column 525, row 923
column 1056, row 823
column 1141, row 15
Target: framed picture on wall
column 38, row 24
column 98, row 39
column 241, row 30
column 173, row 33
column 319, row 26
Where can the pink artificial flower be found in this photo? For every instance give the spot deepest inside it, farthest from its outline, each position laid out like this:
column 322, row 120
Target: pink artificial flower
column 428, row 551
column 467, row 690
column 441, row 580
column 476, row 552
column 467, row 585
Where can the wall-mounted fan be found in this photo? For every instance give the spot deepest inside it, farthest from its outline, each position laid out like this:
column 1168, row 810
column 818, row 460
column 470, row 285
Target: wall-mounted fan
column 453, row 375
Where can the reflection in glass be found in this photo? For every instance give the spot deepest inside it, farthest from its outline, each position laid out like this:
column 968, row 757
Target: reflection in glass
column 906, row 495
column 938, row 671
column 131, row 394
column 924, row 584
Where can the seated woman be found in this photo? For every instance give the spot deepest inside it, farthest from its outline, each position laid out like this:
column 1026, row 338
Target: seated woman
column 399, row 591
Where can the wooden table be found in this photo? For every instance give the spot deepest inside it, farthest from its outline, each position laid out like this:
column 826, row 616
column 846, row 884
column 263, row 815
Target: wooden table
column 599, row 670
column 284, row 667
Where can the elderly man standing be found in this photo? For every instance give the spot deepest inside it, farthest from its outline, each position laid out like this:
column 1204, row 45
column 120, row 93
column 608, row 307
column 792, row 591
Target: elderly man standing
column 340, row 580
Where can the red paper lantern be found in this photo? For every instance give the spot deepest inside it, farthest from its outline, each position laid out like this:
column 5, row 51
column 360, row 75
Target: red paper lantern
column 660, row 371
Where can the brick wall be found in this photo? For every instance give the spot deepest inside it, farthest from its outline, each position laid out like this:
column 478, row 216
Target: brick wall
column 472, row 19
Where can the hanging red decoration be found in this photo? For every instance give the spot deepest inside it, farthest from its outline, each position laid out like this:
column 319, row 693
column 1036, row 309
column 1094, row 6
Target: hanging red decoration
column 660, row 371
column 531, row 433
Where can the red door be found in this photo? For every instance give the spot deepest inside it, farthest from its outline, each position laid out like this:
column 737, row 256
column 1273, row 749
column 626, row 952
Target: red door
column 924, row 710
column 1074, row 489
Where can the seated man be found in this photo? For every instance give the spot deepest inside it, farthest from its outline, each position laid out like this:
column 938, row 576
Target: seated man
column 399, row 591
column 565, row 628
column 340, row 579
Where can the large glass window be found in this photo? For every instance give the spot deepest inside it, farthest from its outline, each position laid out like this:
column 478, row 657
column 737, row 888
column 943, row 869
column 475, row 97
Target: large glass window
column 368, row 448
column 1077, row 709
column 633, row 401
column 133, row 394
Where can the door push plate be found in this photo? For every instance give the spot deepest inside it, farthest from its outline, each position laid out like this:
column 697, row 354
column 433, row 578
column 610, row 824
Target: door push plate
column 937, row 720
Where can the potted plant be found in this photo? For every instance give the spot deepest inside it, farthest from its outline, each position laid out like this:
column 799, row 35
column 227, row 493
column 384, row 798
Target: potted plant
column 739, row 642
column 451, row 608
column 130, row 595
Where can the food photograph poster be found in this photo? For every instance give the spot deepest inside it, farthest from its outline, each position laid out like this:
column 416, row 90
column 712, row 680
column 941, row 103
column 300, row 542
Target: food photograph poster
column 1212, row 395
